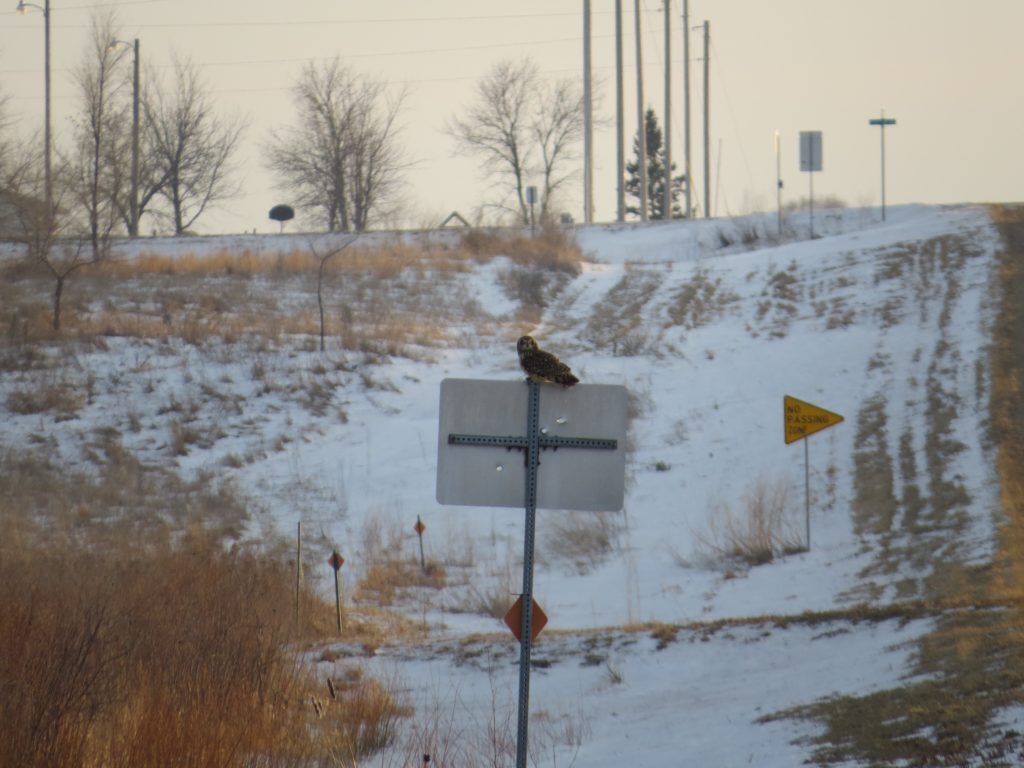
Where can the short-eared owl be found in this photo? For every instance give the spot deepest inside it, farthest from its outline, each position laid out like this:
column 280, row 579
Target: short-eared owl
column 543, row 366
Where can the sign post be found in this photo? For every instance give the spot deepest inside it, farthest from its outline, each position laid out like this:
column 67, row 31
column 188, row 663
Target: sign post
column 487, row 416
column 801, row 421
column 881, row 122
column 420, row 528
column 336, row 561
column 810, row 161
column 531, row 198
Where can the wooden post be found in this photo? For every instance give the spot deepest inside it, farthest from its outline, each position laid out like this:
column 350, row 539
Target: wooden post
column 336, row 561
column 298, row 570
column 337, row 598
column 420, row 528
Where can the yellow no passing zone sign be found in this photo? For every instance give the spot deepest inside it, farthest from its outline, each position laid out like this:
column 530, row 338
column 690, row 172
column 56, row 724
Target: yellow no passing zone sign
column 803, row 419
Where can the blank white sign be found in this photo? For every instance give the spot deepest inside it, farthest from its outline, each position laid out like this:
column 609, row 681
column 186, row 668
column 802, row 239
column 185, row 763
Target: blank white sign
column 493, row 476
column 810, row 150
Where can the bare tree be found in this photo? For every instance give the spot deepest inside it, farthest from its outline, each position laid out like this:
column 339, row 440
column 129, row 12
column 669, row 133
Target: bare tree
column 9, row 169
column 152, row 170
column 557, row 129
column 496, row 128
column 47, row 232
column 522, row 127
column 342, row 158
column 323, row 258
column 192, row 147
column 97, row 155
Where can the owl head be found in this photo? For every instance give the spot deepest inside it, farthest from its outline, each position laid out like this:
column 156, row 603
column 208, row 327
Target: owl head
column 526, row 344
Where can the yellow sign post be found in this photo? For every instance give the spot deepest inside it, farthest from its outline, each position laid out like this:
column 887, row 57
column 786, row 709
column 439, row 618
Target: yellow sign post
column 801, row 421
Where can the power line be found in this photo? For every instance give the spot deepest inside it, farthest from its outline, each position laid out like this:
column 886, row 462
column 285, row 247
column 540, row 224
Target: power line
column 384, row 54
column 732, row 116
column 317, row 22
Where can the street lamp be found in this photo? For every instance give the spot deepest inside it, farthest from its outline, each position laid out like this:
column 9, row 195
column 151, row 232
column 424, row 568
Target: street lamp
column 133, row 226
column 22, row 8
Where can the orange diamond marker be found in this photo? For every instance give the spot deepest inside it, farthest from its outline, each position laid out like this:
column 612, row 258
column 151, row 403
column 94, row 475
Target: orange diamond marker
column 514, row 619
column 419, row 527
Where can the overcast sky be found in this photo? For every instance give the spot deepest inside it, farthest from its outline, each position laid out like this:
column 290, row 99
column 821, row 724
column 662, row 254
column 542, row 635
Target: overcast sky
column 949, row 73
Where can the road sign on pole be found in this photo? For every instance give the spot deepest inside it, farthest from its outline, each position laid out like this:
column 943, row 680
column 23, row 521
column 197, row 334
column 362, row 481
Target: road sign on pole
column 491, row 476
column 810, row 161
column 801, row 421
column 588, row 473
column 514, row 619
column 881, row 122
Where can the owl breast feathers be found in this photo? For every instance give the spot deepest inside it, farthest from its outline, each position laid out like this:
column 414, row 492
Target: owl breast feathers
column 543, row 366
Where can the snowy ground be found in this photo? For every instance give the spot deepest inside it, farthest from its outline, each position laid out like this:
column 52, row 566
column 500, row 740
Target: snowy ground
column 709, row 325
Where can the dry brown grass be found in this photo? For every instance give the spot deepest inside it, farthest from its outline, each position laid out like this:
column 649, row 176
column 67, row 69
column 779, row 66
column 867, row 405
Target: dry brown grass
column 388, row 299
column 875, row 504
column 581, row 540
column 132, row 634
column 764, row 527
column 165, row 658
column 618, row 323
column 391, row 571
column 700, row 301
column 970, row 669
column 46, row 504
column 551, row 249
column 1008, row 405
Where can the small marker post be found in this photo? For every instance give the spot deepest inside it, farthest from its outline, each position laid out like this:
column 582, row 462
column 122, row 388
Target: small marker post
column 336, row 561
column 420, row 527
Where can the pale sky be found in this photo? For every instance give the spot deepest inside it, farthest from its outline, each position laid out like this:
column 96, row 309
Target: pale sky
column 949, row 73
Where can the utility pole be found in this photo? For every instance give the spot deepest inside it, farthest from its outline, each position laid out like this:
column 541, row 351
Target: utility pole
column 620, row 163
column 641, row 130
column 707, row 128
column 134, row 209
column 48, row 139
column 686, row 107
column 778, row 179
column 22, row 8
column 667, row 199
column 881, row 122
column 588, row 123
column 133, row 203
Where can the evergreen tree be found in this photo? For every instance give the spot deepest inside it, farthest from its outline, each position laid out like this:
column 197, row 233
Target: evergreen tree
column 655, row 174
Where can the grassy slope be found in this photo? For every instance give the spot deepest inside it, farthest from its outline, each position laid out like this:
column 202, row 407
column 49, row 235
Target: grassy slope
column 970, row 669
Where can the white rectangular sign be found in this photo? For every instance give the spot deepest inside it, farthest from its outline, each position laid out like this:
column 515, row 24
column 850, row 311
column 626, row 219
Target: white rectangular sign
column 810, row 150
column 495, row 476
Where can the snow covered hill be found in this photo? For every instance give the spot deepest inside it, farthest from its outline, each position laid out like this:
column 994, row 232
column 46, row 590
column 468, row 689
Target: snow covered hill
column 709, row 325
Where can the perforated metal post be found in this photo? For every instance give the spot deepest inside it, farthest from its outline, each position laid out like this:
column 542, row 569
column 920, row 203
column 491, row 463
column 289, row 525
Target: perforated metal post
column 532, row 443
column 532, row 462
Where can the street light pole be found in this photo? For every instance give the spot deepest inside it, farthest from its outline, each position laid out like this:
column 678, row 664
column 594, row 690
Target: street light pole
column 133, row 203
column 22, row 8
column 641, row 124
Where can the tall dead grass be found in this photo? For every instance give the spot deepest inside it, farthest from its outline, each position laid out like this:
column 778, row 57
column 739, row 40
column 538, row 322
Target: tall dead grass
column 395, row 296
column 161, row 658
column 763, row 528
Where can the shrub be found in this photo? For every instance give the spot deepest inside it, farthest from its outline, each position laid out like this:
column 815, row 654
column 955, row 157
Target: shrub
column 173, row 657
column 761, row 531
